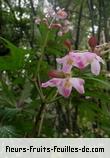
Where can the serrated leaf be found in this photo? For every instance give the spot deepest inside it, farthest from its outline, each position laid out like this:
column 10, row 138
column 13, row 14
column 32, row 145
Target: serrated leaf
column 14, row 60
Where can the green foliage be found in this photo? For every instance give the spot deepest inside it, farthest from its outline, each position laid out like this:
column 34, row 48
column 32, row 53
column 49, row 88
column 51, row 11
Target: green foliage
column 8, row 132
column 14, row 60
column 23, row 110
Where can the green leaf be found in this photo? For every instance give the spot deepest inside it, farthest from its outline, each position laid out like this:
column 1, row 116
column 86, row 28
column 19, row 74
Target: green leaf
column 25, row 94
column 14, row 60
column 105, row 83
column 8, row 131
column 7, row 95
column 8, row 114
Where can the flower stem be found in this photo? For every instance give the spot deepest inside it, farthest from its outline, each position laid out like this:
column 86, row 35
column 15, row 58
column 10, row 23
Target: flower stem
column 40, row 61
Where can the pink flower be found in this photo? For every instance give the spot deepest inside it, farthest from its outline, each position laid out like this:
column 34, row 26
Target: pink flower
column 37, row 21
column 67, row 62
column 64, row 85
column 81, row 60
column 49, row 11
column 61, row 14
column 65, row 28
column 84, row 59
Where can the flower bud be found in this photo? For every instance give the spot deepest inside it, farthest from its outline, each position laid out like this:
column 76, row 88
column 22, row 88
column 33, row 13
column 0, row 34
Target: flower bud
column 60, row 33
column 37, row 21
column 68, row 44
column 92, row 42
column 45, row 21
column 56, row 74
column 56, row 26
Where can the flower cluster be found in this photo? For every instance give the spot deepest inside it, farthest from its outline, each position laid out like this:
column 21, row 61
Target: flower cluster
column 55, row 20
column 62, row 78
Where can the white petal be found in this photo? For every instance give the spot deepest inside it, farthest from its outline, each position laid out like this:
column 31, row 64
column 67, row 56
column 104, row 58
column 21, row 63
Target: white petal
column 78, row 84
column 52, row 83
column 61, row 60
column 95, row 67
column 100, row 59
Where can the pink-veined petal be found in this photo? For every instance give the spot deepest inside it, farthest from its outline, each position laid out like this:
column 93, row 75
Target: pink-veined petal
column 89, row 56
column 67, row 63
column 67, row 67
column 95, row 67
column 64, row 91
column 78, row 84
column 79, row 64
column 52, row 83
column 79, row 60
column 65, row 88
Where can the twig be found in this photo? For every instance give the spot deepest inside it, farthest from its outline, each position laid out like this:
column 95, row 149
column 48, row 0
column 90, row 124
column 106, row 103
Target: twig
column 32, row 7
column 37, row 119
column 79, row 25
column 41, row 121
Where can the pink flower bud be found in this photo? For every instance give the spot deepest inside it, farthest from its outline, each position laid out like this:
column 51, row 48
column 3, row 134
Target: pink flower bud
column 60, row 33
column 56, row 26
column 37, row 21
column 92, row 42
column 68, row 44
column 56, row 74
